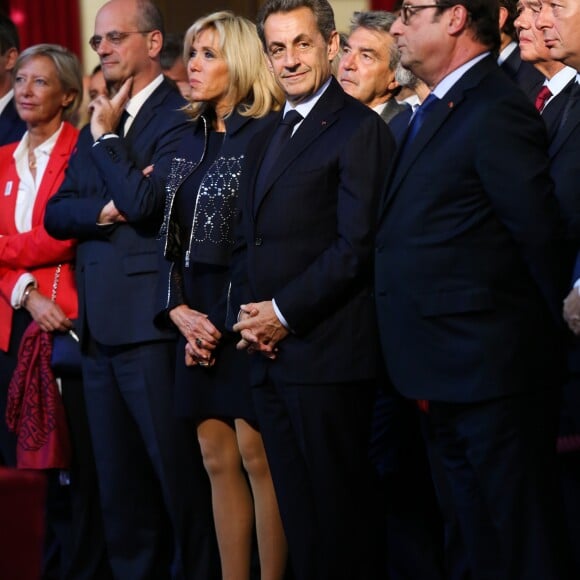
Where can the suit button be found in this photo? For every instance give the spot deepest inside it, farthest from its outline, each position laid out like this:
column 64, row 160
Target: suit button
column 258, row 240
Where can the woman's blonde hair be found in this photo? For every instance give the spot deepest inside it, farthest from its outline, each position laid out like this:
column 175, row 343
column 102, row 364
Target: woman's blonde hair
column 67, row 67
column 252, row 86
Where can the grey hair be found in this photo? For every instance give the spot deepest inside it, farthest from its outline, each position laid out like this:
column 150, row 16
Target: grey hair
column 381, row 21
column 405, row 77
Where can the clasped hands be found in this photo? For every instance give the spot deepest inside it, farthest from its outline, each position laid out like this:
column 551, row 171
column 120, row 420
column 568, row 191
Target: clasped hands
column 258, row 325
column 260, row 329
column 201, row 335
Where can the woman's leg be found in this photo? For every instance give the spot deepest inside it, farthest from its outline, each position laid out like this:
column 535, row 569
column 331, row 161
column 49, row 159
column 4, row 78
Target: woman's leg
column 231, row 497
column 271, row 539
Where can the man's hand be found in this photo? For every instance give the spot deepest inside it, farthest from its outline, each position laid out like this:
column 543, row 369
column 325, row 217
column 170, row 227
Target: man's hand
column 201, row 335
column 260, row 328
column 47, row 313
column 106, row 113
column 572, row 311
column 110, row 215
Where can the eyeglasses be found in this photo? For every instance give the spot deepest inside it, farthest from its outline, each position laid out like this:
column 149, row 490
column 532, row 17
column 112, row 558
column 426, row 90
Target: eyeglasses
column 114, row 38
column 408, row 10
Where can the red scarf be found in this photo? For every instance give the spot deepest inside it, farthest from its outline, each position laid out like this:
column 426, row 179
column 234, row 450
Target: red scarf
column 34, row 410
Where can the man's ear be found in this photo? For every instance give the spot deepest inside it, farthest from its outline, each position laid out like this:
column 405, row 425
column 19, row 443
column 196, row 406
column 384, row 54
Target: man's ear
column 333, row 45
column 155, row 43
column 458, row 18
column 11, row 55
column 503, row 16
column 393, row 85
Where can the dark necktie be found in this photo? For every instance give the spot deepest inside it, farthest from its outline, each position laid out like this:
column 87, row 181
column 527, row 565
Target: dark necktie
column 418, row 119
column 279, row 140
column 544, row 94
column 121, row 126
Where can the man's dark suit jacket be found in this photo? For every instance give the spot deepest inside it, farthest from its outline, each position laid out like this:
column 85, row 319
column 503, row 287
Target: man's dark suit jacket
column 308, row 244
column 523, row 73
column 467, row 270
column 552, row 113
column 565, row 170
column 117, row 265
column 306, row 241
column 12, row 127
column 564, row 151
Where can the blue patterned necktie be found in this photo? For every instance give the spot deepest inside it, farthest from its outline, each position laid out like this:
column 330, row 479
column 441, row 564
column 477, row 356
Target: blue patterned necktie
column 419, row 118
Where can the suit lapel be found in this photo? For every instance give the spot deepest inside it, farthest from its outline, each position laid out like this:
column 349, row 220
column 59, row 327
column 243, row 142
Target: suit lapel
column 434, row 120
column 147, row 111
column 552, row 113
column 322, row 116
column 55, row 169
column 564, row 132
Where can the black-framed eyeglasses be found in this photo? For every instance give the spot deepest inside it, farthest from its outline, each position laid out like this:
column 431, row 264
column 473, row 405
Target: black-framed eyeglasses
column 114, row 38
column 409, row 10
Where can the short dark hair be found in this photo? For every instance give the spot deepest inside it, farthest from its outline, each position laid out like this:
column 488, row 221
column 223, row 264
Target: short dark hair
column 172, row 49
column 321, row 9
column 483, row 19
column 512, row 9
column 8, row 35
column 149, row 16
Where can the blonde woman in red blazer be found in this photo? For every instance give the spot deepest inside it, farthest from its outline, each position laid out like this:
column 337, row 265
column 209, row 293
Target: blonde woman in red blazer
column 34, row 252
column 47, row 90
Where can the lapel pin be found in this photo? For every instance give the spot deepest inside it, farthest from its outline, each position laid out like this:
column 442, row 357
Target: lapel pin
column 8, row 188
column 323, row 123
column 451, row 104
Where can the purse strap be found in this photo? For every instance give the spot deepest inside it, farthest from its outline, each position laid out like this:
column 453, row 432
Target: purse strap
column 55, row 282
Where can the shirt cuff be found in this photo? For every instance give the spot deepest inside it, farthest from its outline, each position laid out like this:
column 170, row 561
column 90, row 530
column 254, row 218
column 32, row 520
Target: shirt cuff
column 280, row 315
column 19, row 288
column 104, row 137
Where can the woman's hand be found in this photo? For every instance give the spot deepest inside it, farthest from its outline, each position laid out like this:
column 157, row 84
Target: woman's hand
column 48, row 315
column 201, row 335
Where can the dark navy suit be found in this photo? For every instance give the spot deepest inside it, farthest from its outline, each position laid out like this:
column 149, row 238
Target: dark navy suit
column 150, row 474
column 306, row 241
column 564, row 154
column 552, row 113
column 523, row 73
column 12, row 127
column 469, row 284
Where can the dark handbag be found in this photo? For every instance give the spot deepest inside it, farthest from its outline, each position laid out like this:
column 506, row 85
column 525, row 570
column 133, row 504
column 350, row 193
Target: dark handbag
column 66, row 355
column 65, row 359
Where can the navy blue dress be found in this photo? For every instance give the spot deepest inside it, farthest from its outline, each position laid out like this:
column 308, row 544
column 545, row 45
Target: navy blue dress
column 203, row 213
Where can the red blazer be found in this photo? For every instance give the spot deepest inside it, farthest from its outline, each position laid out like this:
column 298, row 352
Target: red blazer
column 34, row 251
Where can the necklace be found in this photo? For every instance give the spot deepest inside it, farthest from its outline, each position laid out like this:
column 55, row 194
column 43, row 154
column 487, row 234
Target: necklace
column 31, row 160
